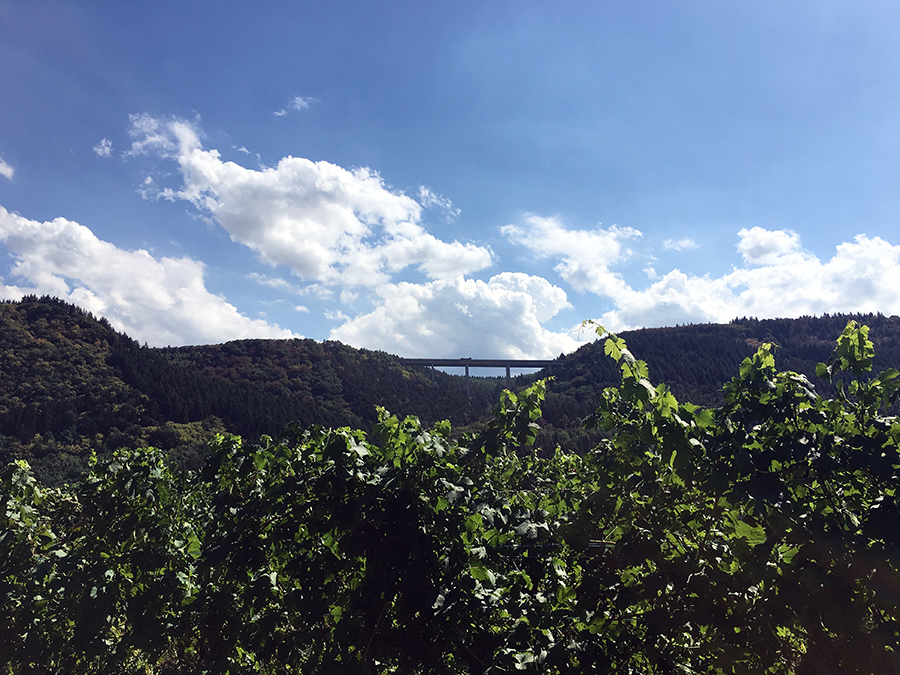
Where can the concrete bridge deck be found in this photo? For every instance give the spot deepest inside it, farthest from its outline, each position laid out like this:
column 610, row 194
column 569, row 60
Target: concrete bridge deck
column 479, row 363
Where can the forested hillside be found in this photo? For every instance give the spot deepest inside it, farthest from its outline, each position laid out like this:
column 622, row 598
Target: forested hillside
column 695, row 361
column 70, row 384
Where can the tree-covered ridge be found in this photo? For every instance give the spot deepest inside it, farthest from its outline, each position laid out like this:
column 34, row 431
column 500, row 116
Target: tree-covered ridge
column 696, row 360
column 757, row 537
column 70, row 384
column 338, row 384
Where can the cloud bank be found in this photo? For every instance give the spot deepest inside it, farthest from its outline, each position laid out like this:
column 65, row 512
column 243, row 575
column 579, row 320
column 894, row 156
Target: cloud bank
column 359, row 249
column 161, row 301
column 343, row 233
column 778, row 278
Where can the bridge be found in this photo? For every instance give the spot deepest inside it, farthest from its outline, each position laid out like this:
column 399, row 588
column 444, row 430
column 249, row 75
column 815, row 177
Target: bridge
column 479, row 363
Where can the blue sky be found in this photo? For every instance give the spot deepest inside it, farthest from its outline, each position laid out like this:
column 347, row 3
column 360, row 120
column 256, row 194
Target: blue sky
column 435, row 179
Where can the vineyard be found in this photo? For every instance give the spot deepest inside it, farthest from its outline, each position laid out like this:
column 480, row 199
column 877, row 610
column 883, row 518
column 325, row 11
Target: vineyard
column 760, row 536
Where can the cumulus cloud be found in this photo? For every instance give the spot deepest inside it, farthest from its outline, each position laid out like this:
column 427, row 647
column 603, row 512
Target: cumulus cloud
column 327, row 224
column 586, row 255
column 759, row 247
column 296, row 103
column 103, row 148
column 161, row 301
column 680, row 244
column 500, row 318
column 5, row 169
column 779, row 279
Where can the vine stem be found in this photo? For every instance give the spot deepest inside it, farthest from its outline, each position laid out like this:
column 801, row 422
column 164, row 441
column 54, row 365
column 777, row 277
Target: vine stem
column 374, row 633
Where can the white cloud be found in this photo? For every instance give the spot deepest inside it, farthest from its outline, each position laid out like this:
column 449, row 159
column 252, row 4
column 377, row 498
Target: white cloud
column 327, row 224
column 271, row 282
column 779, row 279
column 103, row 148
column 336, row 315
column 586, row 255
column 459, row 317
column 759, row 247
column 429, row 199
column 296, row 103
column 161, row 137
column 5, row 169
column 160, row 301
column 680, row 245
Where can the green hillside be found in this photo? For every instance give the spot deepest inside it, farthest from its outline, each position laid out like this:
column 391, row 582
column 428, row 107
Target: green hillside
column 695, row 361
column 70, row 383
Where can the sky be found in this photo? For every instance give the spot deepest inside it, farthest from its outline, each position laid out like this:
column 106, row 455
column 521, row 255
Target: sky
column 475, row 178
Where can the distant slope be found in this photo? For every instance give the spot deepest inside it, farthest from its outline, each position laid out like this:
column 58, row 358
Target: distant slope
column 70, row 384
column 697, row 360
column 259, row 386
